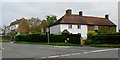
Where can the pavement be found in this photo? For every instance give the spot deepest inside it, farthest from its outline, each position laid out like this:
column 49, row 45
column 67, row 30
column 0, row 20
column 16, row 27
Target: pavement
column 11, row 50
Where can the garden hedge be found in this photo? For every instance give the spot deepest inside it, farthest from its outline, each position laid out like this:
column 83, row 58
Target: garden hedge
column 72, row 38
column 106, row 38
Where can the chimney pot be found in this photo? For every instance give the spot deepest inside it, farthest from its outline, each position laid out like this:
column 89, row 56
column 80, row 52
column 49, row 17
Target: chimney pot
column 80, row 13
column 68, row 12
column 107, row 16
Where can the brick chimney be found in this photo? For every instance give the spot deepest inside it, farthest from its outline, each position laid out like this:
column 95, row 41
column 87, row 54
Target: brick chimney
column 68, row 12
column 107, row 16
column 80, row 13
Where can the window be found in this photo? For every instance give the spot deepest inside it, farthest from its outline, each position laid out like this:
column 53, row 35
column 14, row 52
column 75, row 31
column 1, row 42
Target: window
column 95, row 27
column 70, row 26
column 79, row 26
column 110, row 27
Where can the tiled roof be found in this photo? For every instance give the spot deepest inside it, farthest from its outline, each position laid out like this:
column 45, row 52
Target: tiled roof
column 84, row 20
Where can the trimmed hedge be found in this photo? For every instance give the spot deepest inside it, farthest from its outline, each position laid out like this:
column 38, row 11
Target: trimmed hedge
column 73, row 38
column 106, row 38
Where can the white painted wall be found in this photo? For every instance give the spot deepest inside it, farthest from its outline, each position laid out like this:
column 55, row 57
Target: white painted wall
column 14, row 26
column 75, row 30
column 55, row 29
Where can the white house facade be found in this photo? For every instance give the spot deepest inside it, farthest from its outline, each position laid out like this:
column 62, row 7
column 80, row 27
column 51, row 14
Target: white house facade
column 72, row 28
column 79, row 24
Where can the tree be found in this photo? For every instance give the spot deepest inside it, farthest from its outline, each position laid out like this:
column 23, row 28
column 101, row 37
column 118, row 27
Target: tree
column 44, row 25
column 4, row 29
column 51, row 19
column 24, row 25
column 35, row 25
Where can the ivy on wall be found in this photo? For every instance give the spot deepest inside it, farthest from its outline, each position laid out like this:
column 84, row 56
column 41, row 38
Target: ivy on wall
column 106, row 29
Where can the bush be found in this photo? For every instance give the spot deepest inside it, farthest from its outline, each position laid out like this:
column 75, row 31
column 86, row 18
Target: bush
column 52, row 38
column 57, row 38
column 74, row 38
column 37, row 38
column 90, row 34
column 22, row 38
column 106, row 38
column 88, row 42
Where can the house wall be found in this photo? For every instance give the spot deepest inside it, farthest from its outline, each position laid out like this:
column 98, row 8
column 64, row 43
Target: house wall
column 90, row 28
column 14, row 27
column 107, row 29
column 75, row 30
column 103, row 29
column 55, row 29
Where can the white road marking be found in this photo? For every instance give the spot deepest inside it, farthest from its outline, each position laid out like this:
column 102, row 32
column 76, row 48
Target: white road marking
column 66, row 55
column 43, row 57
column 2, row 48
column 85, row 52
column 63, row 46
column 103, row 50
column 53, row 56
column 79, row 53
column 76, row 53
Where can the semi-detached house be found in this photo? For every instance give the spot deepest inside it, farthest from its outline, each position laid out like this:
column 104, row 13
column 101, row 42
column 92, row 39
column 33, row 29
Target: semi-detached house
column 80, row 24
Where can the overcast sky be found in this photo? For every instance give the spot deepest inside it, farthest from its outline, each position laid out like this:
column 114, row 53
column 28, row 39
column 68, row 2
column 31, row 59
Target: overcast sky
column 15, row 9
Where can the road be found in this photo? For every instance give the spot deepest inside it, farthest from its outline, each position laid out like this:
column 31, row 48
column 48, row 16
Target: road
column 11, row 50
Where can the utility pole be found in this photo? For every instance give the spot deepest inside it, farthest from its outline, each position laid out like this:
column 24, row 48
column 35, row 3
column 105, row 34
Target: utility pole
column 47, row 30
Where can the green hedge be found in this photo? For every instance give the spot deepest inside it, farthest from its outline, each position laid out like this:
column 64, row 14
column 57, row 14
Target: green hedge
column 73, row 38
column 106, row 38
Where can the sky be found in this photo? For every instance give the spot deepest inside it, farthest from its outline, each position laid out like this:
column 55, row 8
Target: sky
column 16, row 9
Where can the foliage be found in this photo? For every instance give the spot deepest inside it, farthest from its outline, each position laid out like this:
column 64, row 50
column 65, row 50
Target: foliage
column 44, row 25
column 90, row 34
column 51, row 19
column 106, row 38
column 4, row 29
column 35, row 25
column 107, row 29
column 24, row 25
column 88, row 42
column 52, row 38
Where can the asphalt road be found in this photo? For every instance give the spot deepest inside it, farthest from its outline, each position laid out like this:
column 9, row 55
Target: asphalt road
column 11, row 50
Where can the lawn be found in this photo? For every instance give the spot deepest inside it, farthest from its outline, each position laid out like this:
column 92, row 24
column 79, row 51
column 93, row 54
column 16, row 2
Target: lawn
column 40, row 43
column 65, row 44
column 106, row 45
column 5, row 41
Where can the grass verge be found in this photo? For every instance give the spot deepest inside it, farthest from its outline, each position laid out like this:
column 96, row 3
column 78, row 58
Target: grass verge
column 106, row 45
column 56, row 44
column 5, row 41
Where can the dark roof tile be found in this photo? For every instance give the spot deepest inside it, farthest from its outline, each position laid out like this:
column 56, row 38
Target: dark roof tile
column 83, row 20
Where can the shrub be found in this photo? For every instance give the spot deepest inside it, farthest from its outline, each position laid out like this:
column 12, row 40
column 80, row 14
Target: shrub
column 106, row 38
column 52, row 38
column 90, row 34
column 87, row 42
column 74, row 38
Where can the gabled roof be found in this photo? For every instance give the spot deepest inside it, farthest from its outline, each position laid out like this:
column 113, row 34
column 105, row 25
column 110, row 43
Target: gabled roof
column 84, row 20
column 65, row 31
column 15, row 22
column 70, row 18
